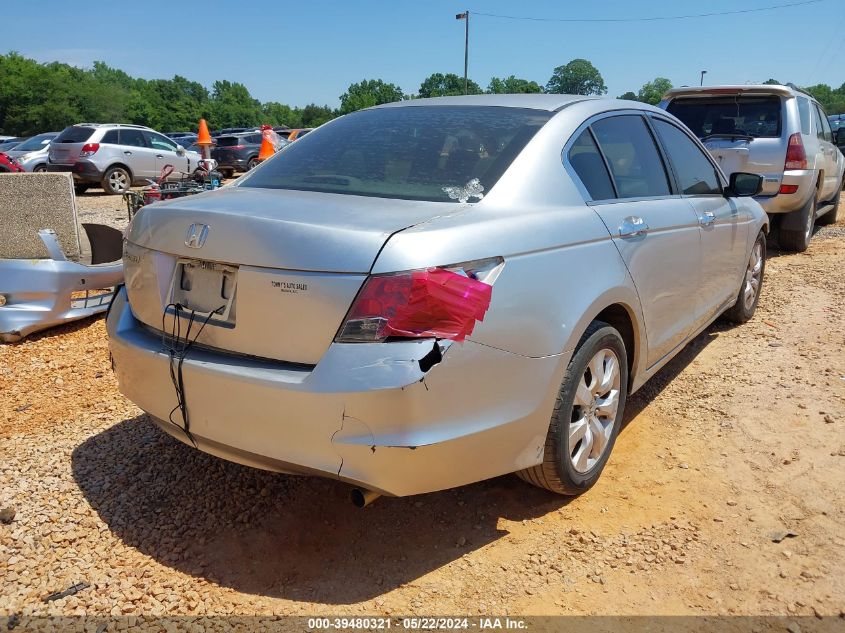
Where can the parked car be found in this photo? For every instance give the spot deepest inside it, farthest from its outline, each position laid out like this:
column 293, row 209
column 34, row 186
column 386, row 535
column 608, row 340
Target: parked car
column 298, row 133
column 36, row 143
column 35, row 160
column 116, row 156
column 836, row 121
column 186, row 141
column 780, row 132
column 475, row 293
column 10, row 143
column 9, row 165
column 177, row 135
column 236, row 152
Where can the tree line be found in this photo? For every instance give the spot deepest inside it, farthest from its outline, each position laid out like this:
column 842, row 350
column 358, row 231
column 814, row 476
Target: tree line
column 37, row 97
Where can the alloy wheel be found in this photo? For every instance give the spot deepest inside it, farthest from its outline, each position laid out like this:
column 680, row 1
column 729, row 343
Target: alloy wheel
column 118, row 181
column 752, row 276
column 594, row 410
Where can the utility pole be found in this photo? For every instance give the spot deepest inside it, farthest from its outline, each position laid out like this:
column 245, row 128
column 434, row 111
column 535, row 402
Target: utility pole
column 465, row 16
column 703, row 72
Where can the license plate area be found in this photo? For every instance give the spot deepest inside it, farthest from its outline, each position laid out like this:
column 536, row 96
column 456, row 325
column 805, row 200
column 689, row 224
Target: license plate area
column 205, row 288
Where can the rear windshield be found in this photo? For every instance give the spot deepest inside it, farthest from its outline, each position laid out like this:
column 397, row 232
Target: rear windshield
column 229, row 141
column 730, row 116
column 412, row 153
column 74, row 134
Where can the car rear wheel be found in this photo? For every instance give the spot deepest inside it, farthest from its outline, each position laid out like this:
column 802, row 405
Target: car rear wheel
column 587, row 415
column 831, row 216
column 798, row 239
column 116, row 180
column 752, row 283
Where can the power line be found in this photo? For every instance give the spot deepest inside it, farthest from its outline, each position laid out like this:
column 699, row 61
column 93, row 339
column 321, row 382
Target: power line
column 652, row 19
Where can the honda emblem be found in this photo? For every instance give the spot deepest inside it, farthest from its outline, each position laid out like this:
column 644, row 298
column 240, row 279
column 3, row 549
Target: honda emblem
column 195, row 237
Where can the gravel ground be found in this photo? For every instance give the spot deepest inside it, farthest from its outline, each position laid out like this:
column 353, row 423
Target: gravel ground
column 737, row 439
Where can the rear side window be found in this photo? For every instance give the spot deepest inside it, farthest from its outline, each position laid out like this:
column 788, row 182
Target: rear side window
column 754, row 116
column 586, row 160
column 694, row 171
column 635, row 164
column 228, row 141
column 111, row 137
column 74, row 134
column 133, row 138
column 255, row 139
column 435, row 153
column 804, row 114
column 826, row 132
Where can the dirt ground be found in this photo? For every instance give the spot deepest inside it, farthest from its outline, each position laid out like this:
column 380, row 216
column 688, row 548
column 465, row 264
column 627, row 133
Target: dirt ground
column 738, row 443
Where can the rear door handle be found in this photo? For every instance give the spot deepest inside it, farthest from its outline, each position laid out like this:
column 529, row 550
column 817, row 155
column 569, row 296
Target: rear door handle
column 159, row 155
column 707, row 218
column 633, row 226
column 128, row 153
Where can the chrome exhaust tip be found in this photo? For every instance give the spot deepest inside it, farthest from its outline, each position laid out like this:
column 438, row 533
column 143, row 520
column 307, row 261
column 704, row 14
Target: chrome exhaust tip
column 361, row 498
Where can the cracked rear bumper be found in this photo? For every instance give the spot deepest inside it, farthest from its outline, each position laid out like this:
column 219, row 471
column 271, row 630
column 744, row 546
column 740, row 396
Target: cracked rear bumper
column 366, row 413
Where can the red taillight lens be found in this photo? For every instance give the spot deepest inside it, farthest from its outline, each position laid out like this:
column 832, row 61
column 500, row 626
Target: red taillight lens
column 796, row 157
column 788, row 188
column 433, row 303
column 89, row 149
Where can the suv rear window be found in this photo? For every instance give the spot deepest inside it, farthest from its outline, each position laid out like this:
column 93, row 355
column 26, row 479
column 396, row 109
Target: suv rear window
column 730, row 116
column 228, row 141
column 412, row 153
column 74, row 134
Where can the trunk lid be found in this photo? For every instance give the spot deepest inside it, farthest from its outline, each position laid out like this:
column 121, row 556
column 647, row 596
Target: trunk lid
column 65, row 148
column 284, row 265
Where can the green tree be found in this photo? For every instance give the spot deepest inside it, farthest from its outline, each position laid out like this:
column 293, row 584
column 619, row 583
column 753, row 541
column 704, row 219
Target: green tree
column 233, row 106
column 368, row 93
column 771, row 82
column 513, row 85
column 448, row 85
column 578, row 77
column 629, row 96
column 313, row 115
column 653, row 91
column 276, row 113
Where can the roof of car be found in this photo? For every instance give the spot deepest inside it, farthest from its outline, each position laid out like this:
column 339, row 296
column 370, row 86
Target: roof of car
column 786, row 91
column 550, row 102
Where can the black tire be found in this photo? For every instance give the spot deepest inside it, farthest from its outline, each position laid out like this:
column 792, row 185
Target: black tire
column 557, row 471
column 80, row 189
column 116, row 181
column 742, row 311
column 228, row 172
column 831, row 216
column 253, row 162
column 798, row 240
column 40, row 168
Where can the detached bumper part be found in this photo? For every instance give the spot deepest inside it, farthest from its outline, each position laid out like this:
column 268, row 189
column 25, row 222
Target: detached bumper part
column 394, row 418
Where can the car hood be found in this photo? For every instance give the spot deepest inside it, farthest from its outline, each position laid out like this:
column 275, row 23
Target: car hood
column 286, row 229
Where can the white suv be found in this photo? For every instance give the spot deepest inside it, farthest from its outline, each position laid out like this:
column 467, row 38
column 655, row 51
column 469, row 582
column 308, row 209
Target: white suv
column 779, row 132
column 116, row 156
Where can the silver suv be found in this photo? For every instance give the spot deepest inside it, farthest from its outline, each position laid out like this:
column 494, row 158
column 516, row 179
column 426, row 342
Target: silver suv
column 779, row 132
column 116, row 156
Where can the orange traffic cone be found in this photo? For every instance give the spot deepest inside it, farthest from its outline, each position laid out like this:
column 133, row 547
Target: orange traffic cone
column 267, row 149
column 204, row 139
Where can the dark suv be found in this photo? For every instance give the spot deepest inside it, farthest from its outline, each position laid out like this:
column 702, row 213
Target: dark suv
column 237, row 152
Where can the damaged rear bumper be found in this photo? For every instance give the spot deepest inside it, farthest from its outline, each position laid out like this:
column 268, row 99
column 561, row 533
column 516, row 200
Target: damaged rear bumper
column 369, row 414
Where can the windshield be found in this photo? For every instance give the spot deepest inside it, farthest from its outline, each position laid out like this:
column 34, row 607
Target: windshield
column 737, row 115
column 436, row 153
column 35, row 143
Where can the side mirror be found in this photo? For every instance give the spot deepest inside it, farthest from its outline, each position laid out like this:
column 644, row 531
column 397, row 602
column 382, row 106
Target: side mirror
column 180, row 151
column 744, row 185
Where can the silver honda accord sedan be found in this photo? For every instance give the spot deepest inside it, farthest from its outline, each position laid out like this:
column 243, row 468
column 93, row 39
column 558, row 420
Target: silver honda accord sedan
column 435, row 292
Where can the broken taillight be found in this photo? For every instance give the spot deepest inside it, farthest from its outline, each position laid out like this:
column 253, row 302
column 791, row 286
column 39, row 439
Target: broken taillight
column 440, row 302
column 89, row 149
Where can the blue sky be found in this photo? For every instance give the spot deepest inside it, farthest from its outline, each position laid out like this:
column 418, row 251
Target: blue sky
column 298, row 53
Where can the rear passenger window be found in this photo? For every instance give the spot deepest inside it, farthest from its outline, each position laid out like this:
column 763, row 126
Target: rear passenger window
column 696, row 174
column 804, row 114
column 635, row 165
column 110, row 137
column 133, row 138
column 587, row 162
column 826, row 131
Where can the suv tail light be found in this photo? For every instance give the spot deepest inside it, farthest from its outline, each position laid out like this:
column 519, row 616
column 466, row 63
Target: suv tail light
column 437, row 302
column 796, row 157
column 89, row 149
